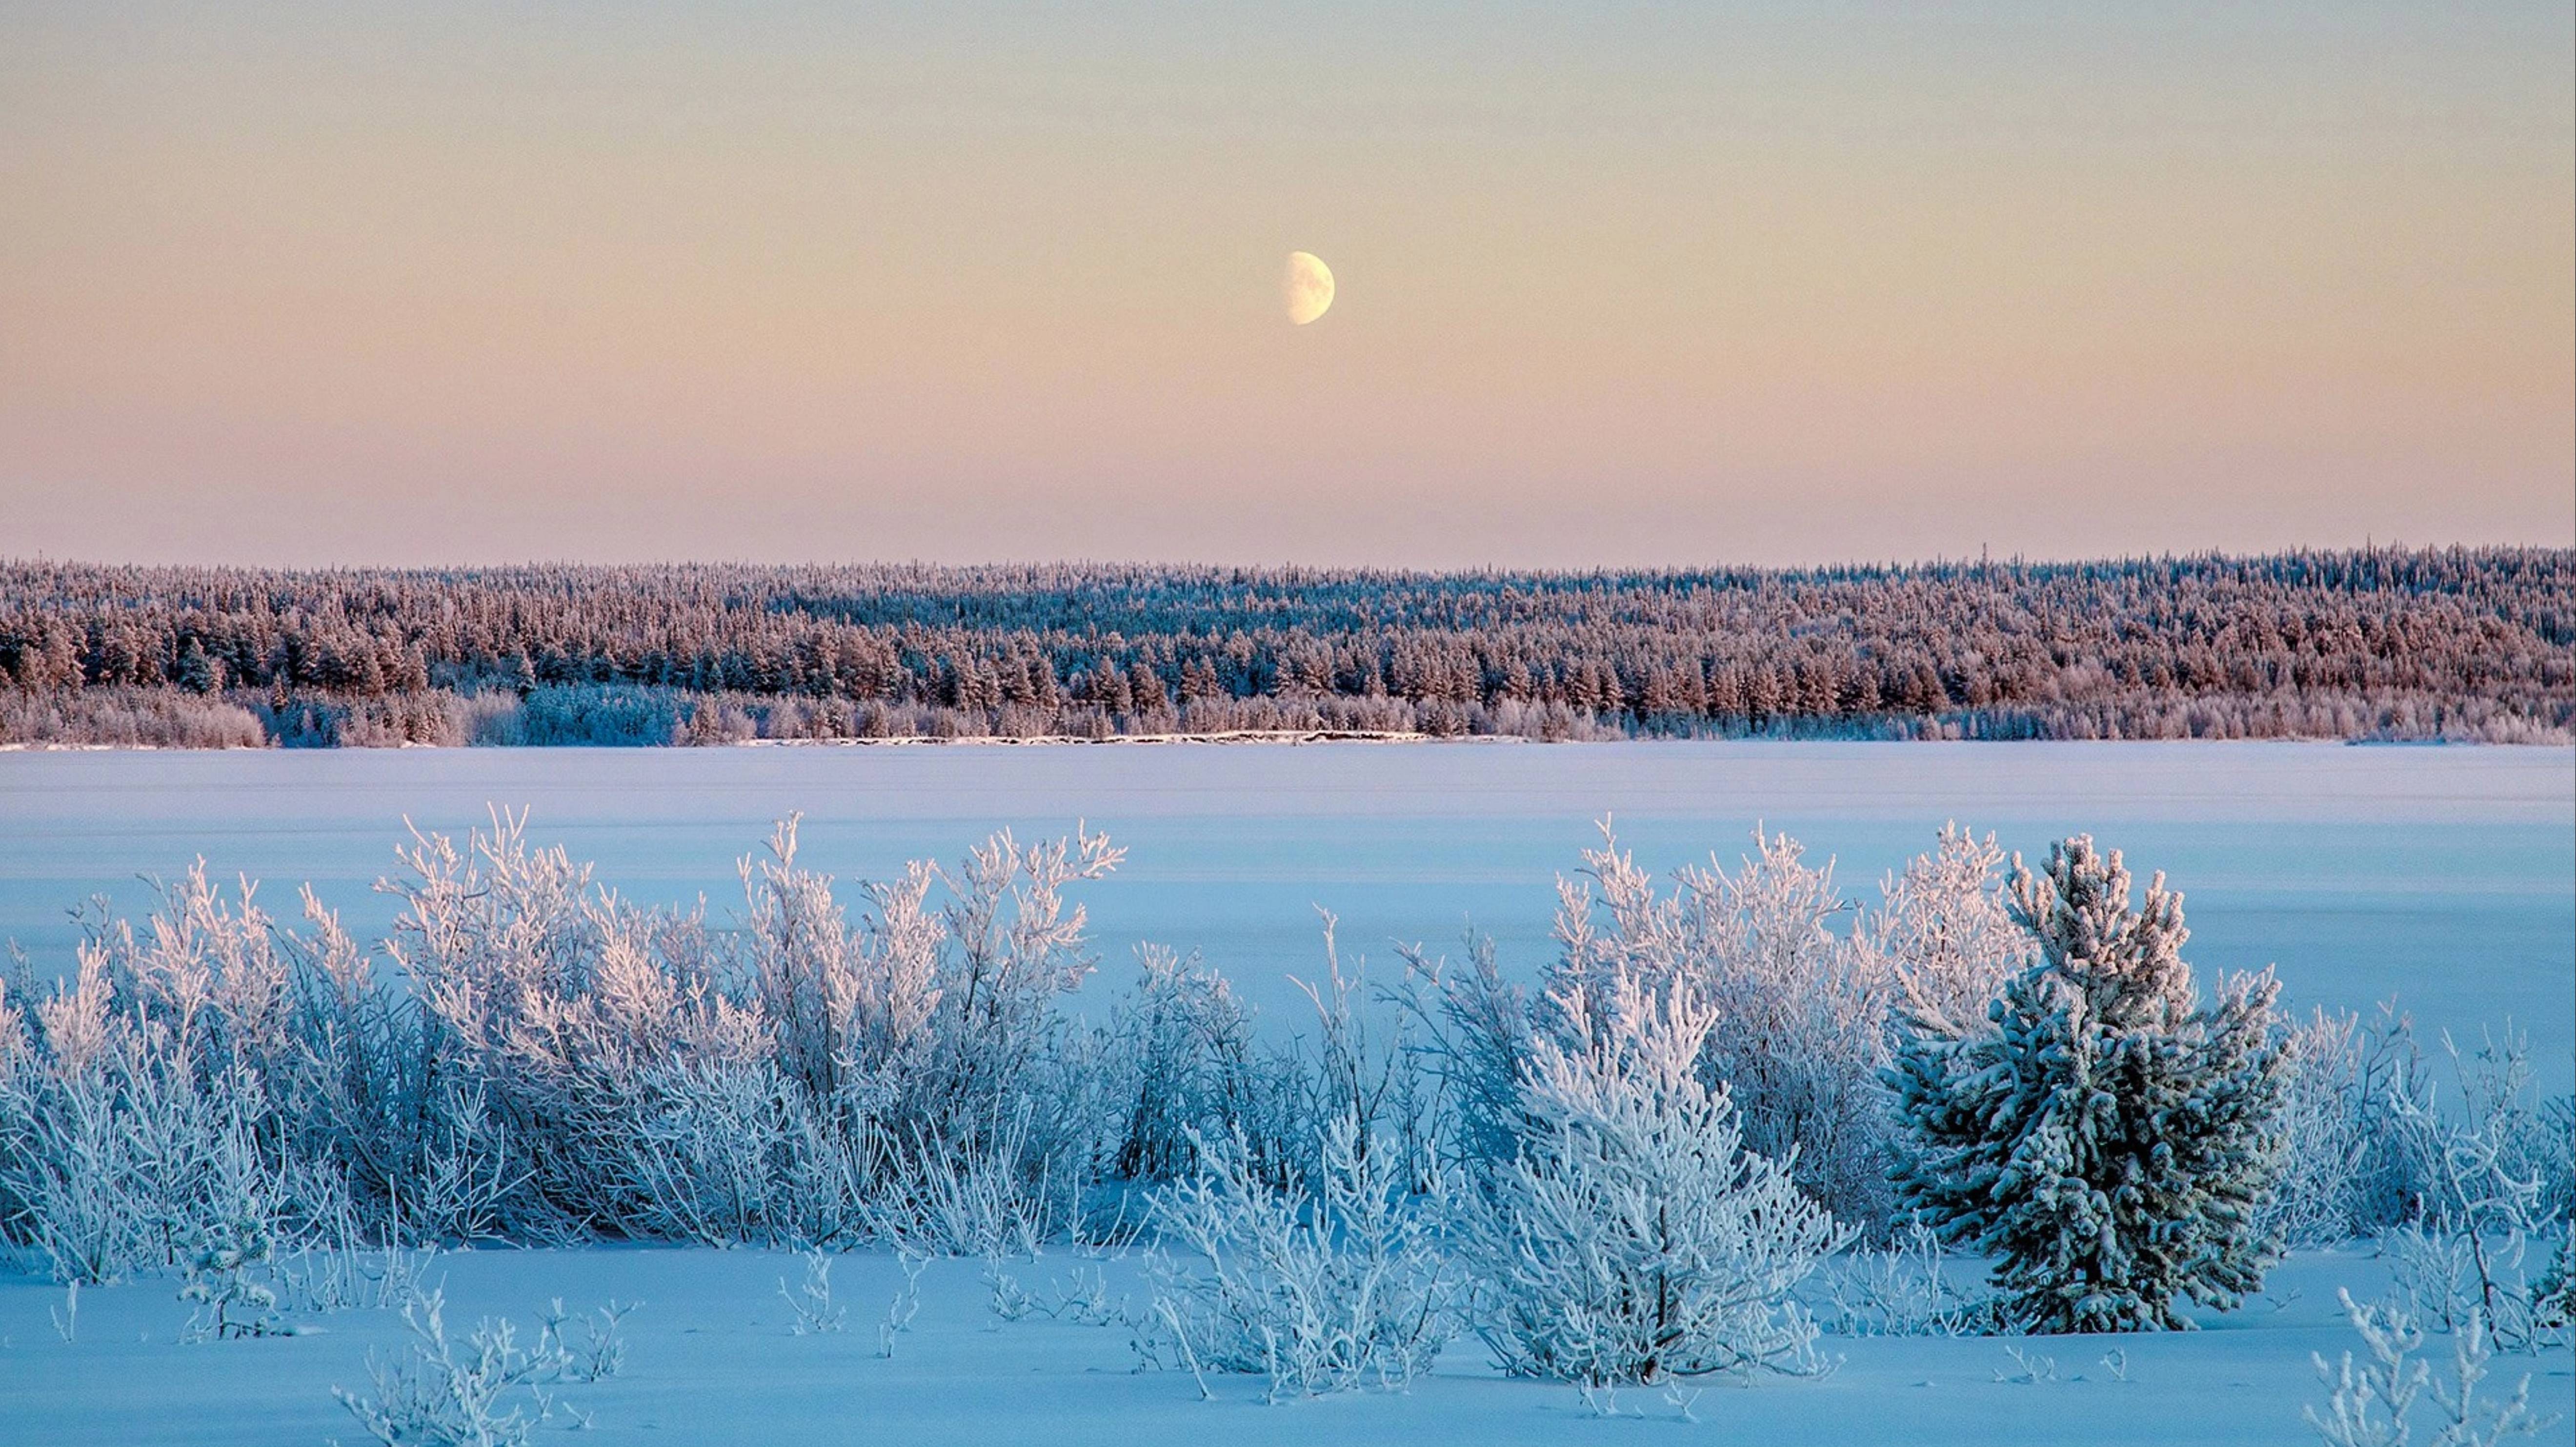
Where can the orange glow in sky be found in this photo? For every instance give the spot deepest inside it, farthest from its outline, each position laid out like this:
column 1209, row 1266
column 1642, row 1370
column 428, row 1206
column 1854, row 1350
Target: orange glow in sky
column 342, row 284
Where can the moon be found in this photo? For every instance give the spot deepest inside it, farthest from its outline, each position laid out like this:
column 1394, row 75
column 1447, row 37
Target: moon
column 1309, row 287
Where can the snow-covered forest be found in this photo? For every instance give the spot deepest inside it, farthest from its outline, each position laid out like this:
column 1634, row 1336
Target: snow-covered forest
column 2456, row 644
column 1736, row 1122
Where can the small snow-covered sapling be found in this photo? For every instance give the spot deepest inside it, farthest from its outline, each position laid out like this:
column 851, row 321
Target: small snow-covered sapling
column 231, row 1302
column 601, row 1351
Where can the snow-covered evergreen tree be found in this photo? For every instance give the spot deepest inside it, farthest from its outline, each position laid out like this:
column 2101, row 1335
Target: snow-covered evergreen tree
column 2553, row 1296
column 2106, row 1137
column 198, row 673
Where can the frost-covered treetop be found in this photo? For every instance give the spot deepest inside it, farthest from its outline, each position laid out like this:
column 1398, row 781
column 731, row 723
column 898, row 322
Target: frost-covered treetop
column 2127, row 961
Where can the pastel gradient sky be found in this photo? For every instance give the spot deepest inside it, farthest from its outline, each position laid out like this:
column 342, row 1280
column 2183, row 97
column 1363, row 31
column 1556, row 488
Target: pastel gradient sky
column 1677, row 284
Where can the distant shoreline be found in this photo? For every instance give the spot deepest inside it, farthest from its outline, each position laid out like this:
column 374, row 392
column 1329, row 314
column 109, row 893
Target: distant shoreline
column 1223, row 736
column 1246, row 737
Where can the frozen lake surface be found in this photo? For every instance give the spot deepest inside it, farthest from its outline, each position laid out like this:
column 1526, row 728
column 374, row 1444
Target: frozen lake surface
column 2444, row 876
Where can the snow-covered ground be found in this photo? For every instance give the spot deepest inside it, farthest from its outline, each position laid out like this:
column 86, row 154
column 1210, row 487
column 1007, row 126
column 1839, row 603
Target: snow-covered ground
column 2446, row 876
column 711, row 1360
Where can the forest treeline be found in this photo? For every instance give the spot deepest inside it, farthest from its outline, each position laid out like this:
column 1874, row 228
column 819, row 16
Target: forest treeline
column 2461, row 643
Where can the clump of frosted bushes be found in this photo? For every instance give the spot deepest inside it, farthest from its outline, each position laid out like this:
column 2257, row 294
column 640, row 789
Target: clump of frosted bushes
column 529, row 1058
column 1626, row 1171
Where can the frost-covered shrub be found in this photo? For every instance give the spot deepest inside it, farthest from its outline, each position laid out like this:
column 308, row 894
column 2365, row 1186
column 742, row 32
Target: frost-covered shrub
column 484, row 1391
column 711, row 1159
column 2447, row 1279
column 1000, row 1198
column 133, row 1118
column 1903, row 1289
column 2471, row 1183
column 1183, row 1064
column 1010, row 946
column 2484, row 1183
column 2335, row 1163
column 365, row 1096
column 2499, row 1158
column 848, row 1010
column 2377, row 1131
column 1471, row 1031
column 66, row 1167
column 1360, row 1069
column 1318, row 1292
column 2373, row 1403
column 1944, row 934
column 532, row 1026
column 934, row 1017
column 1635, row 1238
column 1801, row 1010
column 643, row 1078
column 2106, row 1137
column 1178, row 1062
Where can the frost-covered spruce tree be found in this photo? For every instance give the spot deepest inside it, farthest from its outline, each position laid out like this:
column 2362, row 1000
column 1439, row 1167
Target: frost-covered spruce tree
column 2106, row 1137
column 2553, row 1296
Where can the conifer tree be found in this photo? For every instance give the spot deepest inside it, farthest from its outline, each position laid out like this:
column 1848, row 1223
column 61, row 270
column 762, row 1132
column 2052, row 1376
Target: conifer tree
column 2103, row 1135
column 198, row 673
column 2553, row 1296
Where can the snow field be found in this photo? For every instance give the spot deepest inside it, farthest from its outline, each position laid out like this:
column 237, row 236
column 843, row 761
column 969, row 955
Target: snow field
column 712, row 1362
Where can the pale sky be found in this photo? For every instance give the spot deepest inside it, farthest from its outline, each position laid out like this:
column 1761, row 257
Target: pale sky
column 1703, row 283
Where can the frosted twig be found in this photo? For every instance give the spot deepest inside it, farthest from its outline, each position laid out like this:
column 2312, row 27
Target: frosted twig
column 812, row 1301
column 1602, row 1398
column 907, row 1302
column 1682, row 1401
column 2370, row 1404
column 2034, row 1368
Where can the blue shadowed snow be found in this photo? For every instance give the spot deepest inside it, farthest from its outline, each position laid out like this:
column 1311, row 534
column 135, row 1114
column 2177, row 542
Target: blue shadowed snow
column 711, row 1363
